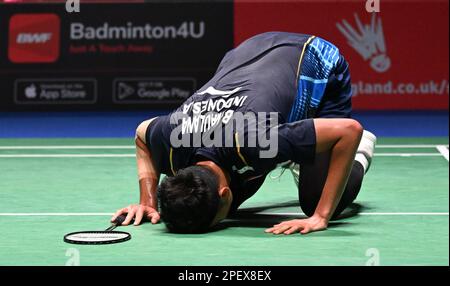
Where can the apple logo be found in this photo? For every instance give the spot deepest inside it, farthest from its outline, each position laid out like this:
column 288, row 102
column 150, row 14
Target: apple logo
column 30, row 91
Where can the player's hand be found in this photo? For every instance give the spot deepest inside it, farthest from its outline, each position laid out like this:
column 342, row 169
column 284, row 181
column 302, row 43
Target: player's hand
column 138, row 212
column 303, row 226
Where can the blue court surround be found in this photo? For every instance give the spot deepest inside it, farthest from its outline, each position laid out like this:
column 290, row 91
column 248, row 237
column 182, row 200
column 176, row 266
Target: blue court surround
column 123, row 124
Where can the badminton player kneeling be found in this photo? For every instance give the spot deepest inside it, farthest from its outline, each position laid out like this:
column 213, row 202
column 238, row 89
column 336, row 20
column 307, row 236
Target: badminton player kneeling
column 277, row 100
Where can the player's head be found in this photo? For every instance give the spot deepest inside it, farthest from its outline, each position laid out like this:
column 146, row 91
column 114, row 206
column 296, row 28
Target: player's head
column 193, row 200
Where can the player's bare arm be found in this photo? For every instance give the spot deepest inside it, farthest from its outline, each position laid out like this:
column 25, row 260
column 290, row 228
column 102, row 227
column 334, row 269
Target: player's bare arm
column 342, row 137
column 148, row 183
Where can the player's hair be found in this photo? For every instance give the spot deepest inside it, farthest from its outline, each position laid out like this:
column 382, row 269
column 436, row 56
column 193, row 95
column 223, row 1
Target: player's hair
column 189, row 200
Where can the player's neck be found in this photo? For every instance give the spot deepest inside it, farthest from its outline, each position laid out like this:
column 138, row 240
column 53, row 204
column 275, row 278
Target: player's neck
column 224, row 178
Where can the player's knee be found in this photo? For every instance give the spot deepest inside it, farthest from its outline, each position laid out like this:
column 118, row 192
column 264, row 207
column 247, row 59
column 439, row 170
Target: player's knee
column 354, row 128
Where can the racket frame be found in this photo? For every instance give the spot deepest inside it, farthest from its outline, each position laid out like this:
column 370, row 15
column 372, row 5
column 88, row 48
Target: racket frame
column 126, row 238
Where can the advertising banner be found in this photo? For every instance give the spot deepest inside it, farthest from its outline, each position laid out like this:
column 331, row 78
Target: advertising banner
column 153, row 55
column 398, row 57
column 109, row 56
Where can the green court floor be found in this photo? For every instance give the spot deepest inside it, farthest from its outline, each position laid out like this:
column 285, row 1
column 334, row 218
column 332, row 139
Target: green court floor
column 49, row 187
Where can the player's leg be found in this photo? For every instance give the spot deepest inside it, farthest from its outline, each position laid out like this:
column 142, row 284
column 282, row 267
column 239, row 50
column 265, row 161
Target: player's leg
column 365, row 150
column 336, row 103
column 364, row 155
column 310, row 179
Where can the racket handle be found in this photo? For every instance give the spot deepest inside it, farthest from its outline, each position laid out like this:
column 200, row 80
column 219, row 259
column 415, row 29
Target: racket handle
column 118, row 221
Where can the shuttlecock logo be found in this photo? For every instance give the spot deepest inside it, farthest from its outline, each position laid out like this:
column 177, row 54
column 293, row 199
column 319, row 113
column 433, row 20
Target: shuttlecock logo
column 368, row 41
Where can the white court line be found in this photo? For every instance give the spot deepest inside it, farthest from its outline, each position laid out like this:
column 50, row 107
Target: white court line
column 55, row 214
column 443, row 150
column 281, row 214
column 133, row 155
column 407, row 154
column 55, row 147
column 379, row 214
column 66, row 155
column 407, row 146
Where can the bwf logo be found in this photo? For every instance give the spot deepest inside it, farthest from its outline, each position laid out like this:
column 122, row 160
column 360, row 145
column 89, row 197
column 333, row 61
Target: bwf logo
column 29, row 38
column 34, row 38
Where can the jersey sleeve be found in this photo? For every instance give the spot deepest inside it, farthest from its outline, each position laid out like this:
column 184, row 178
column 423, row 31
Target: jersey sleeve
column 294, row 142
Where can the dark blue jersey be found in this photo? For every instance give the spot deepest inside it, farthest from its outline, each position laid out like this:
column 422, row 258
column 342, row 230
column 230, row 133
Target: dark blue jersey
column 264, row 69
column 282, row 79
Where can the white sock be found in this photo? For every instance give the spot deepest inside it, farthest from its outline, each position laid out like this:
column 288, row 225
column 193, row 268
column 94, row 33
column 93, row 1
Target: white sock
column 365, row 150
column 363, row 160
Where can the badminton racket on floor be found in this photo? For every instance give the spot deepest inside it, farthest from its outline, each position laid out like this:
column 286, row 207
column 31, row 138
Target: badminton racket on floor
column 108, row 236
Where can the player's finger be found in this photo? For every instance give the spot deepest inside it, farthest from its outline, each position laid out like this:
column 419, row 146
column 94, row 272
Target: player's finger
column 305, row 230
column 281, row 229
column 272, row 229
column 139, row 215
column 291, row 230
column 118, row 213
column 153, row 217
column 282, row 223
column 129, row 217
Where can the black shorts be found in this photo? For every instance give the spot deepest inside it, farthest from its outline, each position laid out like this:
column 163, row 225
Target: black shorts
column 312, row 181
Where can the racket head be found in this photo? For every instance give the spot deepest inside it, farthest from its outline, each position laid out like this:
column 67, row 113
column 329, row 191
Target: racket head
column 97, row 237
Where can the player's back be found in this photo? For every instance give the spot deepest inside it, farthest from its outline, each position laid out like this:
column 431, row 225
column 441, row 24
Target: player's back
column 262, row 68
